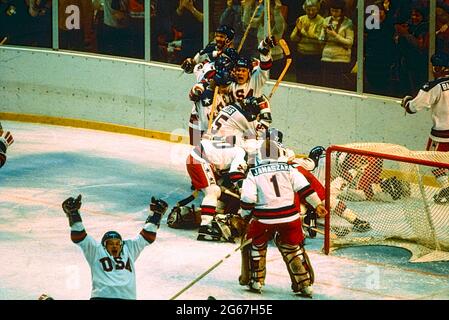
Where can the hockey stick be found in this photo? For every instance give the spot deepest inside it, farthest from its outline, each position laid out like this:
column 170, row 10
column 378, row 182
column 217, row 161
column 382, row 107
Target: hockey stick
column 189, row 199
column 248, row 27
column 268, row 4
column 212, row 109
column 288, row 62
column 205, row 273
column 3, row 41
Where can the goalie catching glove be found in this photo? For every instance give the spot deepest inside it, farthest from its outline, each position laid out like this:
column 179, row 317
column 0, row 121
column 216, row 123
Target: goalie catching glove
column 71, row 208
column 157, row 209
column 184, row 217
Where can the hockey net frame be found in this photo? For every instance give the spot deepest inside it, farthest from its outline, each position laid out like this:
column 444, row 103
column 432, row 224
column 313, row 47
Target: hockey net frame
column 431, row 241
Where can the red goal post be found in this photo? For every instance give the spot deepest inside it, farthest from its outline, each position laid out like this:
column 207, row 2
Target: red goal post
column 406, row 214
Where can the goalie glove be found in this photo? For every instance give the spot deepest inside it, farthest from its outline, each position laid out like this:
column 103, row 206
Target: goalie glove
column 405, row 104
column 157, row 209
column 6, row 140
column 266, row 44
column 187, row 65
column 71, row 208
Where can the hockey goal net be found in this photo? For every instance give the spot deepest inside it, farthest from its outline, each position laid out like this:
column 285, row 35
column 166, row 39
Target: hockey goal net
column 385, row 194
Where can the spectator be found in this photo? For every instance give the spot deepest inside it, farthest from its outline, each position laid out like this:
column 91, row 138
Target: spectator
column 309, row 49
column 412, row 39
column 114, row 38
column 189, row 21
column 232, row 16
column 277, row 30
column 249, row 47
column 442, row 30
column 379, row 54
column 338, row 35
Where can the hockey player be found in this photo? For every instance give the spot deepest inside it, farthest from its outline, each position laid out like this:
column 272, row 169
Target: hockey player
column 112, row 261
column 434, row 96
column 251, row 79
column 245, row 119
column 6, row 140
column 268, row 199
column 337, row 206
column 216, row 161
column 202, row 96
column 222, row 41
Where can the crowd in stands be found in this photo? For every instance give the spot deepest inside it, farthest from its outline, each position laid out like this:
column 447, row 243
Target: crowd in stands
column 321, row 34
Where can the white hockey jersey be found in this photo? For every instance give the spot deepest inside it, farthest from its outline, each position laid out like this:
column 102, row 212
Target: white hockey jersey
column 113, row 278
column 434, row 95
column 269, row 190
column 258, row 78
column 224, row 156
column 232, row 120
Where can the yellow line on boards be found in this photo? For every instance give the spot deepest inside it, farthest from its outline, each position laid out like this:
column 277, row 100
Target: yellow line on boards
column 88, row 124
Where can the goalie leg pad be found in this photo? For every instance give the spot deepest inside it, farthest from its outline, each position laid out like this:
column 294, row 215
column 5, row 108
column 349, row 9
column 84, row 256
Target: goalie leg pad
column 245, row 271
column 298, row 265
column 258, row 255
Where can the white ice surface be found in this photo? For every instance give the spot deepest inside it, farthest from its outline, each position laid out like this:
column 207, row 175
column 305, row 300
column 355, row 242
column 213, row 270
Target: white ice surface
column 116, row 174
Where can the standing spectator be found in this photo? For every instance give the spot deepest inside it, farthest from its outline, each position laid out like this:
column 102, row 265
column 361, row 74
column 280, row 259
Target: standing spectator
column 112, row 261
column 249, row 48
column 442, row 30
column 412, row 39
column 277, row 31
column 114, row 38
column 338, row 34
column 434, row 96
column 268, row 199
column 76, row 35
column 189, row 21
column 379, row 54
column 232, row 16
column 309, row 48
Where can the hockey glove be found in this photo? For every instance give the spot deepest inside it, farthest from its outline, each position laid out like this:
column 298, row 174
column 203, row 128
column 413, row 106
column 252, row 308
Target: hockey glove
column 188, row 65
column 5, row 141
column 266, row 44
column 157, row 209
column 265, row 119
column 404, row 103
column 71, row 208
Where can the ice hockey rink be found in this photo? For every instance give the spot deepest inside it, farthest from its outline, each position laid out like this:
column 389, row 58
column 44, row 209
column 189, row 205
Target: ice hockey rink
column 116, row 175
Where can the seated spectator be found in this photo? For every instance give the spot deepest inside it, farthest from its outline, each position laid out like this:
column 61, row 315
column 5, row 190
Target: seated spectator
column 338, row 36
column 309, row 49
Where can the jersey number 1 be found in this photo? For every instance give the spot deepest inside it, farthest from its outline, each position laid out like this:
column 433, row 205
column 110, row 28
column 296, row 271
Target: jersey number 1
column 276, row 186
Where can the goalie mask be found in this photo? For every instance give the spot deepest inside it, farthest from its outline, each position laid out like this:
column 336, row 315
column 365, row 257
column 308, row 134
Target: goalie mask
column 184, row 217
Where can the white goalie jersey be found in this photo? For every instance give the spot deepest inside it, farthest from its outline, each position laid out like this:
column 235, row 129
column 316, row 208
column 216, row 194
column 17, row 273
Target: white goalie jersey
column 270, row 188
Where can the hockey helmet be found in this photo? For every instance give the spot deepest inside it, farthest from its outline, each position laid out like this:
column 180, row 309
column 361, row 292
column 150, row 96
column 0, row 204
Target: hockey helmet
column 223, row 62
column 110, row 235
column 316, row 153
column 232, row 54
column 244, row 62
column 226, row 30
column 440, row 59
column 184, row 217
column 223, row 77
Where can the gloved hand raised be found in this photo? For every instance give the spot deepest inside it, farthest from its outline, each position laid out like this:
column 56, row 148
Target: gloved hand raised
column 71, row 208
column 157, row 209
